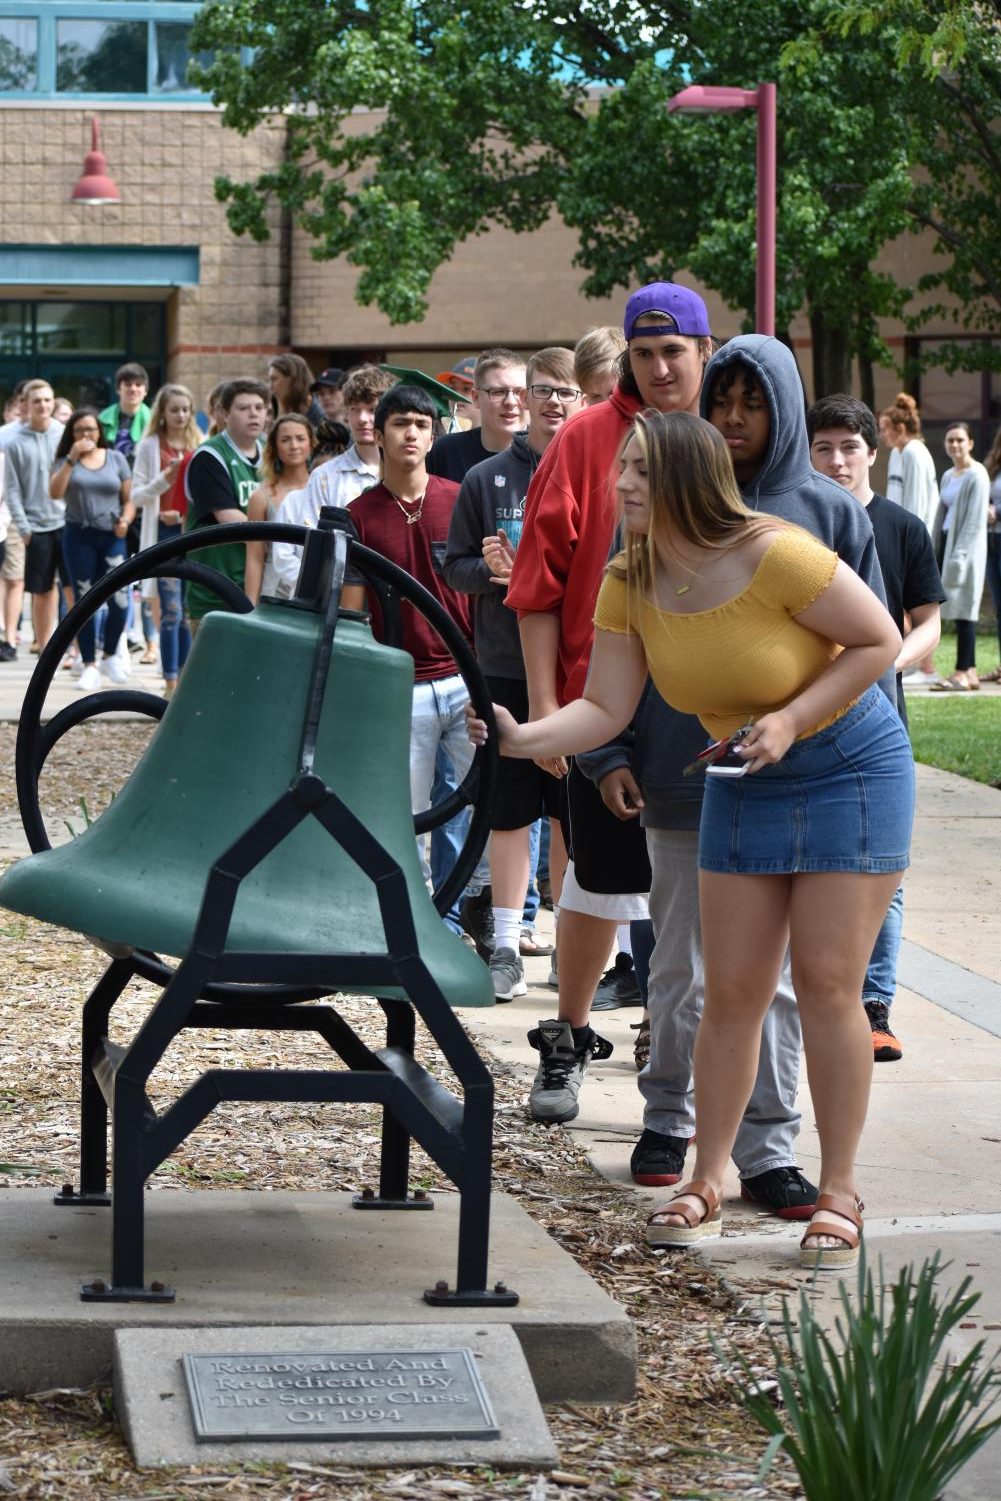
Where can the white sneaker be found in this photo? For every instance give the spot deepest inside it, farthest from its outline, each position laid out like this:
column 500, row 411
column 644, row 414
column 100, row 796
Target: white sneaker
column 114, row 669
column 89, row 679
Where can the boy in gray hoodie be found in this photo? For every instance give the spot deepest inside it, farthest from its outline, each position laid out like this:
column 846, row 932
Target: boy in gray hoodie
column 753, row 393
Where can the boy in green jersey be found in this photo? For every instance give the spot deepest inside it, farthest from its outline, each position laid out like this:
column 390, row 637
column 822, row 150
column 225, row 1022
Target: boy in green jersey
column 221, row 477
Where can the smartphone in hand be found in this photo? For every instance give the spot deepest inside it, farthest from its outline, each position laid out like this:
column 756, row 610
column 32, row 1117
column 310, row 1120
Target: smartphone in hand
column 728, row 765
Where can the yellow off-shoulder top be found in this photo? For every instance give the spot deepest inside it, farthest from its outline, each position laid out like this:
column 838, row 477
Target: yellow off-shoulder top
column 743, row 658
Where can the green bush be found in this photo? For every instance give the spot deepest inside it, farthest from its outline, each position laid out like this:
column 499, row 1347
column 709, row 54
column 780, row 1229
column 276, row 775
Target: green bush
column 878, row 1412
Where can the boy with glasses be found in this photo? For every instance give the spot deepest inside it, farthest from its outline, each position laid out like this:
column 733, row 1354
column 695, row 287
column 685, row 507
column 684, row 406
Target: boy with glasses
column 483, row 536
column 498, row 396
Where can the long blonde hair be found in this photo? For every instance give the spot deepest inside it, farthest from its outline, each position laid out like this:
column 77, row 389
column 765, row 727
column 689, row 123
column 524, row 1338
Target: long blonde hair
column 158, row 415
column 693, row 493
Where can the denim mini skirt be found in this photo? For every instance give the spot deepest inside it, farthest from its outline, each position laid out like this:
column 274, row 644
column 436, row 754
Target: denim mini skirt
column 842, row 799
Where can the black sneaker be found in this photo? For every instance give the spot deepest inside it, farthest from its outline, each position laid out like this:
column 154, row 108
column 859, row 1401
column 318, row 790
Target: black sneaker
column 885, row 1047
column 657, row 1160
column 562, row 1065
column 783, row 1191
column 8, row 653
column 617, row 986
column 476, row 914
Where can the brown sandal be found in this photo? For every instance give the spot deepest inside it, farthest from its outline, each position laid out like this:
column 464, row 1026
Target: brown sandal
column 993, row 676
column 696, row 1227
column 833, row 1258
column 641, row 1046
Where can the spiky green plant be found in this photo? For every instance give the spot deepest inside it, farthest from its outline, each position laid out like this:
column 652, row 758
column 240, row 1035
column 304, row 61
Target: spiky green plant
column 878, row 1411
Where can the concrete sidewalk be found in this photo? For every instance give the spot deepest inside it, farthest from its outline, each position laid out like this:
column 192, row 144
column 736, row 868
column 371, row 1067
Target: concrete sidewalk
column 930, row 1164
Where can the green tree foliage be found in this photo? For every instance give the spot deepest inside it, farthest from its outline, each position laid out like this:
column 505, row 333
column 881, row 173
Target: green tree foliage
column 945, row 61
column 492, row 113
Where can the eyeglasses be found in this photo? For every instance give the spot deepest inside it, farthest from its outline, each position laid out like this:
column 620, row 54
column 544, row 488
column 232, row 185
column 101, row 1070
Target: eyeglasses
column 501, row 393
column 562, row 393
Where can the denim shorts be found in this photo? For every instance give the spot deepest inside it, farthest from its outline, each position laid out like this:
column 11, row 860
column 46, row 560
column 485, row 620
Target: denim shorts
column 842, row 799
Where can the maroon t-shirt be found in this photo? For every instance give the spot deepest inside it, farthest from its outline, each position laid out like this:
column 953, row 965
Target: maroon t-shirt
column 419, row 550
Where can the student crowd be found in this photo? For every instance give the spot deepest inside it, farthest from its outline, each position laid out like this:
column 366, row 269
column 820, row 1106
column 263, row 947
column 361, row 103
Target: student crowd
column 651, row 545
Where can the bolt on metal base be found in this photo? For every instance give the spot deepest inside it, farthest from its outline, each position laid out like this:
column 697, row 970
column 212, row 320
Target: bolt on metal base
column 442, row 1296
column 369, row 1199
column 69, row 1196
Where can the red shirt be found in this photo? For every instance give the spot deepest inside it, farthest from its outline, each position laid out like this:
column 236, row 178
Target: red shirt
column 570, row 515
column 420, row 550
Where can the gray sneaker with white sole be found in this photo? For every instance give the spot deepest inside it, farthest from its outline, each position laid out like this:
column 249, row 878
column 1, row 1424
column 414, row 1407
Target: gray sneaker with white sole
column 508, row 975
column 553, row 1097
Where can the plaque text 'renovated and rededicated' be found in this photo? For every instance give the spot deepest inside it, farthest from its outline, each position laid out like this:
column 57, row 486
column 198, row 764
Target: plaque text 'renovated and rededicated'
column 344, row 1394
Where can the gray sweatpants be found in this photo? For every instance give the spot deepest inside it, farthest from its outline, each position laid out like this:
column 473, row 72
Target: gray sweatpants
column 768, row 1131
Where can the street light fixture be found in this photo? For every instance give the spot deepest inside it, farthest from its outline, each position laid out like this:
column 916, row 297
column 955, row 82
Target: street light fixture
column 96, row 186
column 701, row 98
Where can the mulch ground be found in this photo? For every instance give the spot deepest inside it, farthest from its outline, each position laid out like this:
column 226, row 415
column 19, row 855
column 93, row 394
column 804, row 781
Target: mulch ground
column 684, row 1434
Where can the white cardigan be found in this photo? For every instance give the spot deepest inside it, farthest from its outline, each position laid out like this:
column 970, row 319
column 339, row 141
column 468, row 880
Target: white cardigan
column 148, row 483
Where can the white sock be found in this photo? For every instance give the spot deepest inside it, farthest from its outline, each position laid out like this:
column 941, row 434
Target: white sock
column 507, row 927
column 623, row 938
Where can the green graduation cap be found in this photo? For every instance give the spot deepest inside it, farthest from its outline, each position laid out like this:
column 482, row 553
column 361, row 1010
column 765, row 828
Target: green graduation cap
column 444, row 397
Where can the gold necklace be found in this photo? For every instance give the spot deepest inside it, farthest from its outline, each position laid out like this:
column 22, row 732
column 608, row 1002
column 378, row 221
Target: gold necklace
column 411, row 517
column 694, row 574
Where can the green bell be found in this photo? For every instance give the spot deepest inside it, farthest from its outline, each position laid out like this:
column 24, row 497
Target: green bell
column 266, row 840
column 227, row 749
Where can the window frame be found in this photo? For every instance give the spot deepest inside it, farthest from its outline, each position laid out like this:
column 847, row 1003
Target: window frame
column 48, row 15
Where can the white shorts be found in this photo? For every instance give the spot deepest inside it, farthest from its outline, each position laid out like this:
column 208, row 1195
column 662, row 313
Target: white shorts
column 616, row 906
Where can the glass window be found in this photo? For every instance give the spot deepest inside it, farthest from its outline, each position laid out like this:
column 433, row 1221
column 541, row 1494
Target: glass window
column 18, row 54
column 15, row 329
column 948, row 396
column 81, row 328
column 101, row 57
column 146, row 329
column 171, row 57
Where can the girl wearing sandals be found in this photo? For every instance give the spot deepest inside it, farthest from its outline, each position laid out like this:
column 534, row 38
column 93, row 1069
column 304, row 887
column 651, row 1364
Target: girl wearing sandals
column 966, row 494
column 760, row 630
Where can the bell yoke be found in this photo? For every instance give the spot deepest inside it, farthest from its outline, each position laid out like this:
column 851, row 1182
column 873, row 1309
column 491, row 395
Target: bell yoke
column 296, row 878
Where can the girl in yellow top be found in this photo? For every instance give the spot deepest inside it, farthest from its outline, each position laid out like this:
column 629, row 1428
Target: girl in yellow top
column 744, row 620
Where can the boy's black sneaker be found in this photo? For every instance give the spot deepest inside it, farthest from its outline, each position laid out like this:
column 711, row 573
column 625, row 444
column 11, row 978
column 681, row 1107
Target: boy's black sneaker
column 476, row 914
column 657, row 1160
column 783, row 1191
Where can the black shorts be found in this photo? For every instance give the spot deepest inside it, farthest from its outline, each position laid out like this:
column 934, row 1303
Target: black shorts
column 525, row 792
column 608, row 853
column 43, row 562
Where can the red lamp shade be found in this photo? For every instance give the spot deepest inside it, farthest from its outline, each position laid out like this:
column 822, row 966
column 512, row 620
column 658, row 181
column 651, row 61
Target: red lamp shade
column 96, row 186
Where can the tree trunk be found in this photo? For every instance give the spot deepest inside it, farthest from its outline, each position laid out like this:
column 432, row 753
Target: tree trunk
column 832, row 361
column 867, row 382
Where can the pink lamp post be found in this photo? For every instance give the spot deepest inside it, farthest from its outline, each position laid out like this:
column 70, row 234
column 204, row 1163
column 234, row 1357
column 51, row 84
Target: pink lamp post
column 701, row 98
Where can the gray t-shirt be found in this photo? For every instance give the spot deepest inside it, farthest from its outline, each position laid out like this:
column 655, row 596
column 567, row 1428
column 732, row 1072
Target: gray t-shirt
column 93, row 496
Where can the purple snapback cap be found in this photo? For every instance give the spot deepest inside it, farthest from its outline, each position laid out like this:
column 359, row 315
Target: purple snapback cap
column 681, row 305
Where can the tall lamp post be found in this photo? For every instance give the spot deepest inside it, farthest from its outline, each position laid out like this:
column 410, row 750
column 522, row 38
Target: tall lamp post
column 701, row 98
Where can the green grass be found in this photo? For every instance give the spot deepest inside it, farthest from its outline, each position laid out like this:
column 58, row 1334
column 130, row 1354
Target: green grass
column 962, row 733
column 945, row 654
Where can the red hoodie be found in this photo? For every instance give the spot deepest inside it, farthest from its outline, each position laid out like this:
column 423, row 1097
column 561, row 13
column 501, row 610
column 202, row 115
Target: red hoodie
column 570, row 516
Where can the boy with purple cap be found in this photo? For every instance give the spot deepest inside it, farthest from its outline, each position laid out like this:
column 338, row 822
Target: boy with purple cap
column 569, row 522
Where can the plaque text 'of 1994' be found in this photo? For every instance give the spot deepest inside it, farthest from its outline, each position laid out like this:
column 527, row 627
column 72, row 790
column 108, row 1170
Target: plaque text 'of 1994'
column 308, row 1396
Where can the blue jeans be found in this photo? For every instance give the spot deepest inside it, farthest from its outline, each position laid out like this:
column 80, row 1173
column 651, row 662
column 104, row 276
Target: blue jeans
column 175, row 637
column 880, row 982
column 89, row 555
column 438, row 725
column 531, row 909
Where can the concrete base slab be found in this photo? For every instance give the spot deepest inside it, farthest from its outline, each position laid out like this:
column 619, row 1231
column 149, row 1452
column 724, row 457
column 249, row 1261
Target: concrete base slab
column 153, row 1408
column 277, row 1259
